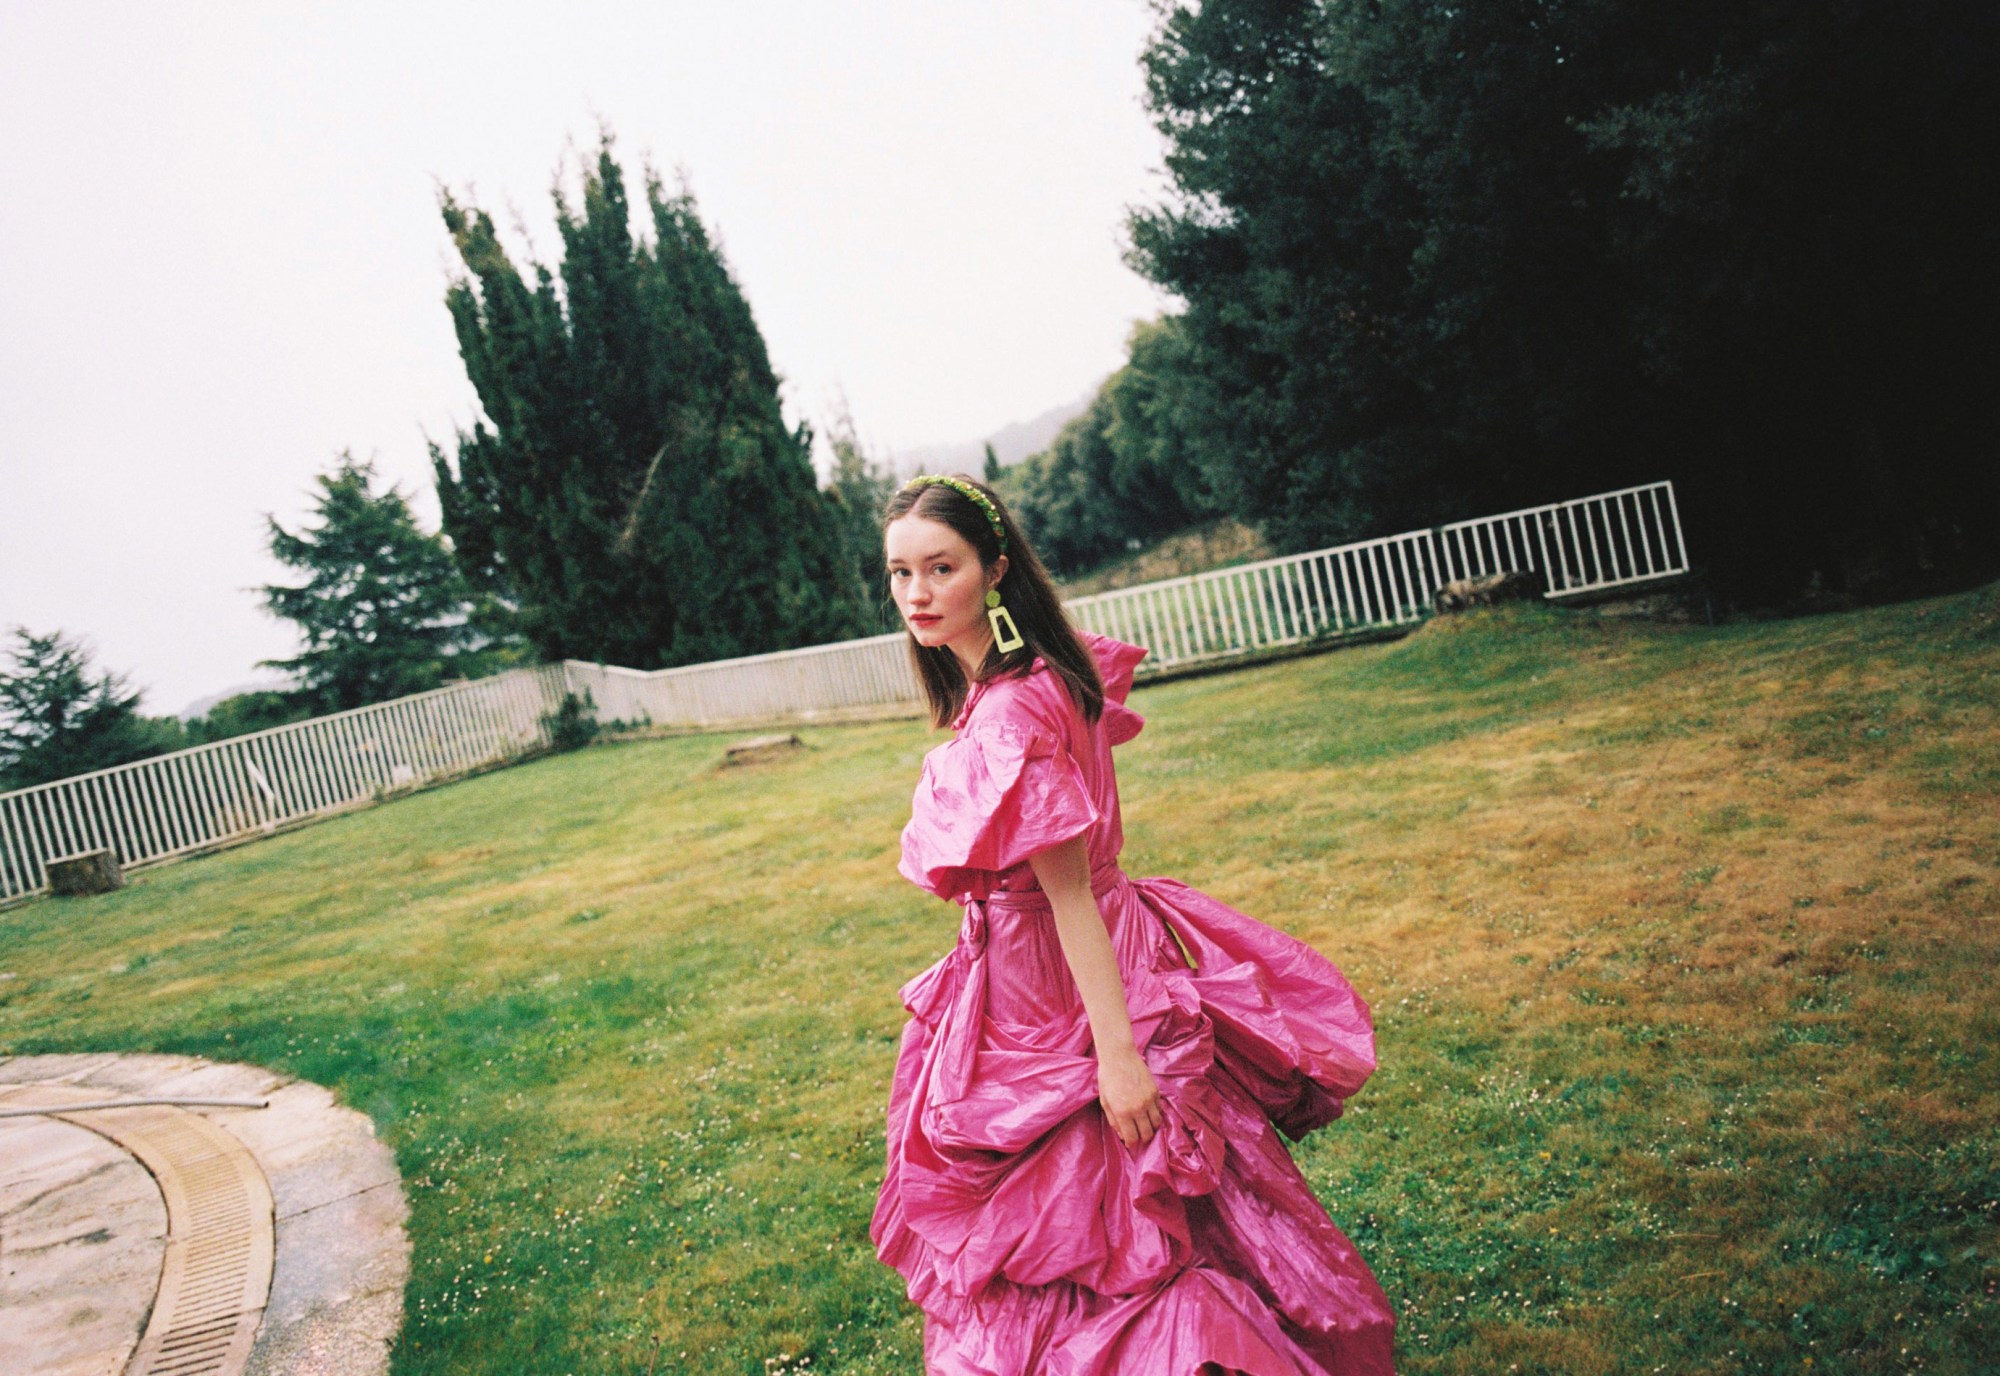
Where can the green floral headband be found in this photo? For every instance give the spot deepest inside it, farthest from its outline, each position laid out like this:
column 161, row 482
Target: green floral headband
column 984, row 502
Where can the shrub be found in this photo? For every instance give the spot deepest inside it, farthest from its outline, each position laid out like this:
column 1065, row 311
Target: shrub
column 572, row 725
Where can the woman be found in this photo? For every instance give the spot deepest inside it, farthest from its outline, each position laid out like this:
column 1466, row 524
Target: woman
column 1084, row 1173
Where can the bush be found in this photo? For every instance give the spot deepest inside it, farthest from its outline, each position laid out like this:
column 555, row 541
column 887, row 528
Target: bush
column 573, row 725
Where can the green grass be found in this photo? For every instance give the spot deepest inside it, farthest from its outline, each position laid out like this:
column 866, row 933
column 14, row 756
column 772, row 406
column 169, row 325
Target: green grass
column 1680, row 942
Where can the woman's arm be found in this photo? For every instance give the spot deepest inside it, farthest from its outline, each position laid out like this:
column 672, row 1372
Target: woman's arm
column 1124, row 1086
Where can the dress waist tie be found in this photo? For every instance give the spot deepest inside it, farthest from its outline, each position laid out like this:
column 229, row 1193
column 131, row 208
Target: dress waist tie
column 972, row 931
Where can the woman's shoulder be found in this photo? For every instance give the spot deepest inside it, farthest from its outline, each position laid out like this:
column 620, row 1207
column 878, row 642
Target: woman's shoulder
column 1038, row 699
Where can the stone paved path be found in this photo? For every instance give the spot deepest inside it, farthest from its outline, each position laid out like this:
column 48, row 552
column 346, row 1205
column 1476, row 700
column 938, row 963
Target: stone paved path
column 83, row 1227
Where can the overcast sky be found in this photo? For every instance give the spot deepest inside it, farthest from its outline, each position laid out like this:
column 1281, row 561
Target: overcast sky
column 221, row 261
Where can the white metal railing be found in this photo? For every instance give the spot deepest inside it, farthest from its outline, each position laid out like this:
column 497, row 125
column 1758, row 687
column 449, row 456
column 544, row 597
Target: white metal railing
column 196, row 799
column 193, row 800
column 1271, row 603
column 1586, row 545
column 1589, row 544
column 1608, row 540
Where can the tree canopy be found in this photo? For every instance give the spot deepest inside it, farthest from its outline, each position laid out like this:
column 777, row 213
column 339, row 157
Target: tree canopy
column 1130, row 468
column 382, row 612
column 632, row 487
column 243, row 714
column 59, row 717
column 1441, row 259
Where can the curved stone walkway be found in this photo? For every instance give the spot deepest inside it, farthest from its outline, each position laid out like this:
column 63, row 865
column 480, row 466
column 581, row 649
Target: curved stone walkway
column 130, row 1237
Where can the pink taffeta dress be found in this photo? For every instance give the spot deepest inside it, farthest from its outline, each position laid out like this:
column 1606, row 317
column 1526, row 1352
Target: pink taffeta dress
column 1034, row 1241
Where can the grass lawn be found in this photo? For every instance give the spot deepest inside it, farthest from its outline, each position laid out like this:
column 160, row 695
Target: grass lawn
column 1680, row 941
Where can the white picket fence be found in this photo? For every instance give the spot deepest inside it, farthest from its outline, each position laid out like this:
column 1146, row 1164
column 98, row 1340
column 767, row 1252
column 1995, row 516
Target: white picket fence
column 214, row 795
column 814, row 682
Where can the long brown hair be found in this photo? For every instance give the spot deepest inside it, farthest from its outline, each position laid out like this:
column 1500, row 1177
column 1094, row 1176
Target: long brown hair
column 1025, row 590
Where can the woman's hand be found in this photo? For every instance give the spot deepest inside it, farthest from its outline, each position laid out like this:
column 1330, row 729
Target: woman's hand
column 1131, row 1100
column 1124, row 1086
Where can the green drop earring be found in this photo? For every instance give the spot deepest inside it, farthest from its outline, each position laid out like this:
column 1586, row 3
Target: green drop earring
column 1006, row 636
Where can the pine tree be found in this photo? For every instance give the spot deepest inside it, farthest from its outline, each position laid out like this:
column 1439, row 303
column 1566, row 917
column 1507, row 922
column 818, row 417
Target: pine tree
column 632, row 487
column 59, row 719
column 382, row 612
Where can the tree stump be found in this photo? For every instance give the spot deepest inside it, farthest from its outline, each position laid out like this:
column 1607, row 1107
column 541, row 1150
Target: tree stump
column 86, row 872
column 760, row 748
column 1487, row 591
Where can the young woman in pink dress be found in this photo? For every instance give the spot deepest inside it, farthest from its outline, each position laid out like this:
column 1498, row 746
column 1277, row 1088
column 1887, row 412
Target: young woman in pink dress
column 1084, row 1171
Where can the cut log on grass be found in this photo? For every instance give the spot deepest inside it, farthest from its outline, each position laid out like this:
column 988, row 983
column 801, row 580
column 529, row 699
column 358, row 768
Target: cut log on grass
column 86, row 872
column 760, row 748
column 1488, row 590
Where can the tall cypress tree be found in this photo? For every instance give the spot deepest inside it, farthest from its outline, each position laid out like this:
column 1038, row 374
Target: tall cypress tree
column 632, row 487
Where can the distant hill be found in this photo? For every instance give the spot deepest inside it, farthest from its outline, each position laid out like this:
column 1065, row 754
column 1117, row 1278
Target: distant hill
column 268, row 684
column 1011, row 443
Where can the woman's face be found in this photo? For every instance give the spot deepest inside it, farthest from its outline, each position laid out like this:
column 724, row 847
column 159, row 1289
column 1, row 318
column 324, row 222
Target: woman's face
column 939, row 586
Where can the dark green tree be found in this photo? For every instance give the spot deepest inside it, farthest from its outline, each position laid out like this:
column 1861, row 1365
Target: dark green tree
column 1063, row 495
column 632, row 486
column 59, row 718
column 1129, row 469
column 382, row 611
column 991, row 472
column 243, row 714
column 1803, row 220
column 1444, row 258
column 1337, row 237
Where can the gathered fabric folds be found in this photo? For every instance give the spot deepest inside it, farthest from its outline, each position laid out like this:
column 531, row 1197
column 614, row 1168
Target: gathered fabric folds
column 1032, row 1238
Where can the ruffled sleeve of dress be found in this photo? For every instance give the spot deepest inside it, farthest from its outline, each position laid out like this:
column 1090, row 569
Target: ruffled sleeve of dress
column 1115, row 662
column 988, row 799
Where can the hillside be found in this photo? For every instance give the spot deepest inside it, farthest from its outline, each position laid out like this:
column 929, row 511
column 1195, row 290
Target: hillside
column 1011, row 443
column 1210, row 545
column 1679, row 941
